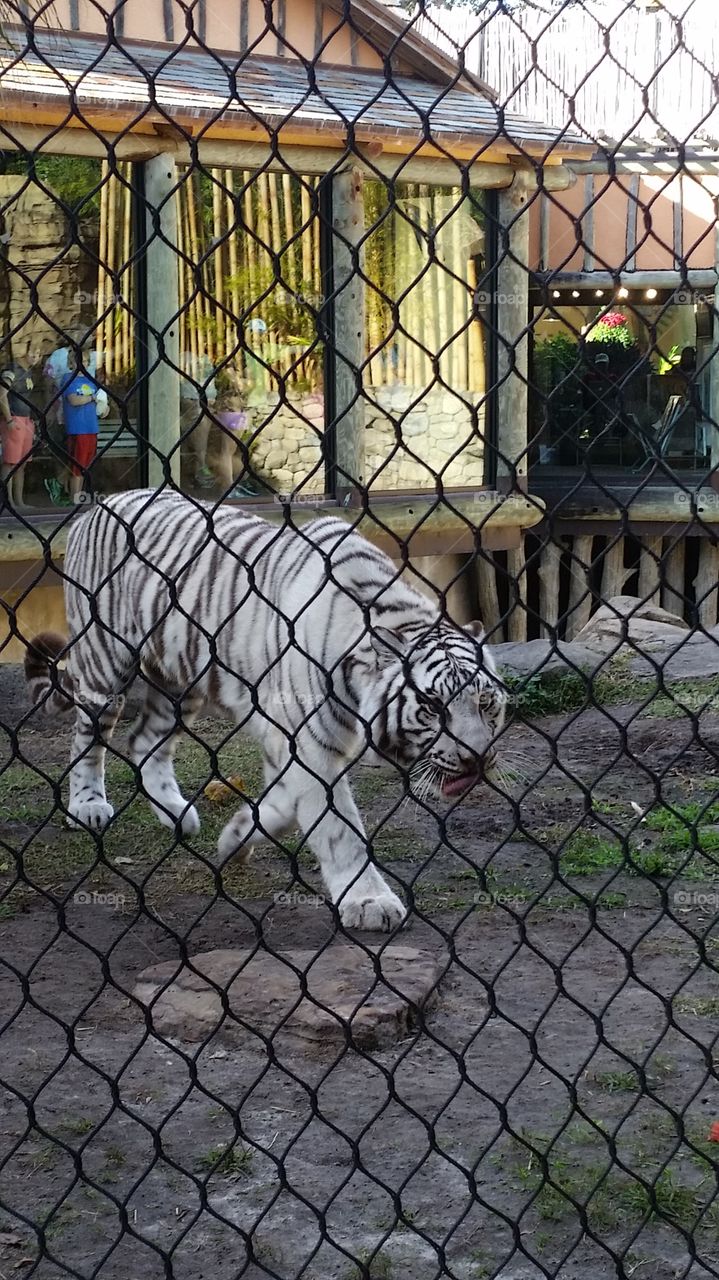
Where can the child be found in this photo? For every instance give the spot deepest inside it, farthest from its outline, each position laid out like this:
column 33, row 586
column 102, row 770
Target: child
column 17, row 429
column 79, row 408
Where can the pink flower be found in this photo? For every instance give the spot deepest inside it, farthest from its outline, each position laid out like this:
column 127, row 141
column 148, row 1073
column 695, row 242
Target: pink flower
column 613, row 320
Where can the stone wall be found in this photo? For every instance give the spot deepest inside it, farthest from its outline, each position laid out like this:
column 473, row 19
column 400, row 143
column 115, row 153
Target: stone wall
column 415, row 443
column 38, row 249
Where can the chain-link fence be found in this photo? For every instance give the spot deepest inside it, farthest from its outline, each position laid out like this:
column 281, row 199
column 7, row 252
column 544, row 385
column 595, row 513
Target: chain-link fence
column 358, row 409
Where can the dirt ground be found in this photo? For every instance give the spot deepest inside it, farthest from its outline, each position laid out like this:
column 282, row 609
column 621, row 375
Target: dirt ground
column 551, row 1115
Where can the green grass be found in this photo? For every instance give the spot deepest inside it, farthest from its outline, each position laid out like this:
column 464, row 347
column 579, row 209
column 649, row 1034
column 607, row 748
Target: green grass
column 586, row 853
column 700, row 1006
column 560, row 693
column 617, row 1081
column 225, row 1161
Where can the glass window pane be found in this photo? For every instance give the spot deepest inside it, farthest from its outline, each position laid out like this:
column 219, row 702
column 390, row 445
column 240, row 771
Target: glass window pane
column 67, row 235
column 425, row 252
column 621, row 382
column 252, row 397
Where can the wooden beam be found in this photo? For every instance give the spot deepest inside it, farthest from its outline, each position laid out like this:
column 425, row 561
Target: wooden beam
column 512, row 308
column 286, row 157
column 650, row 569
column 713, row 425
column 630, row 246
column 695, row 277
column 406, row 519
column 349, row 330
column 163, row 305
column 706, row 583
column 548, row 574
column 517, row 571
column 588, row 222
column 673, row 588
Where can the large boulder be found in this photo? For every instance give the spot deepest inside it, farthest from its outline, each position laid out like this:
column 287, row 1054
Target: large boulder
column 523, row 659
column 627, row 619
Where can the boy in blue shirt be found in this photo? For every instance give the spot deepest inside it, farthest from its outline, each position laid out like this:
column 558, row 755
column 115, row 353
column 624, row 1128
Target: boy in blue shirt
column 79, row 407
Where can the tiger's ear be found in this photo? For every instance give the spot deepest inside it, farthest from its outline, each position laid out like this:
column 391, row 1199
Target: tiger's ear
column 389, row 646
column 474, row 628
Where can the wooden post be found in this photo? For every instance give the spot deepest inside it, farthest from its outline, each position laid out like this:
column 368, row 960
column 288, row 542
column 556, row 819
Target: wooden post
column 349, row 344
column 673, row 591
column 512, row 344
column 548, row 574
column 650, row 569
column 517, row 567
column 614, row 571
column 163, row 303
column 579, row 607
column 705, row 583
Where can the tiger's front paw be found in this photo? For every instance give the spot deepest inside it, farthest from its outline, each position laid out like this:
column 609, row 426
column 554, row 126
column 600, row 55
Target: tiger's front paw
column 233, row 841
column 383, row 911
column 92, row 814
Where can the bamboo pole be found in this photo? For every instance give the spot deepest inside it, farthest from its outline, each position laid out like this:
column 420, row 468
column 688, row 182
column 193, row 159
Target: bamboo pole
column 253, row 272
column 102, row 278
column 126, row 291
column 234, row 289
column 477, row 371
column 218, row 258
column 181, row 278
column 109, row 360
column 460, row 299
column 444, row 287
column 199, row 299
column 414, row 312
column 306, row 242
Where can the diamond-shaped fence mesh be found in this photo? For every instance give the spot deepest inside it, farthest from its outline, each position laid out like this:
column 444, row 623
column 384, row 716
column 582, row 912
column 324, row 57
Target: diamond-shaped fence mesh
column 359, row 854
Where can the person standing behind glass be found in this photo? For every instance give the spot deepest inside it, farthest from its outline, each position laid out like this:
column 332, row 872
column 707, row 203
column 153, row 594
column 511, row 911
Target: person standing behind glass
column 59, row 367
column 79, row 409
column 17, row 428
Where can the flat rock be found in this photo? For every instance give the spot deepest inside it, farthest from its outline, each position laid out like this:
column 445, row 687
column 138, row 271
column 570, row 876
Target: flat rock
column 544, row 657
column 353, row 995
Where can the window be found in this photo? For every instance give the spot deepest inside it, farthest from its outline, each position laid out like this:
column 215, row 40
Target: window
column 622, row 377
column 425, row 376
column 252, row 396
column 67, row 234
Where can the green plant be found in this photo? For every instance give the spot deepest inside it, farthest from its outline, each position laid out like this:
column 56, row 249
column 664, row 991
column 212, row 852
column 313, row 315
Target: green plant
column 612, row 328
column 554, row 359
column 666, row 364
column 226, row 1161
column 587, row 852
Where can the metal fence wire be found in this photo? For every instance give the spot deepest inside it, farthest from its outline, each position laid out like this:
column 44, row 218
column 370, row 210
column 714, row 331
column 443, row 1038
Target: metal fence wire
column 358, row 411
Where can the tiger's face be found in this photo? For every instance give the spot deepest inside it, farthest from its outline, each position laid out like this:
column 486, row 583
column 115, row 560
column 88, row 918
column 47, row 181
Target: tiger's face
column 441, row 708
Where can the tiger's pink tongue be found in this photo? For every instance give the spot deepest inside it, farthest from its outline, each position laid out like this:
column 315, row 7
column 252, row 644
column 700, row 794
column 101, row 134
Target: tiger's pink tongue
column 458, row 786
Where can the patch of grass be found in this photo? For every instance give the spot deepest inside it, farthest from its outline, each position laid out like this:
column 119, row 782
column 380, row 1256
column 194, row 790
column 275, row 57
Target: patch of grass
column 547, row 694
column 669, row 1198
column 78, row 1127
column 378, row 1267
column 225, row 1161
column 617, row 1081
column 700, row 1006
column 586, row 852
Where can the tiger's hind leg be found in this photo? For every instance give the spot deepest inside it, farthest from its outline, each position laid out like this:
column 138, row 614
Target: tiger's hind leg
column 96, row 717
column 276, row 813
column 153, row 742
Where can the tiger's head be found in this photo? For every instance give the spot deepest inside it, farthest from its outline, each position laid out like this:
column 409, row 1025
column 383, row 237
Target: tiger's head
column 436, row 706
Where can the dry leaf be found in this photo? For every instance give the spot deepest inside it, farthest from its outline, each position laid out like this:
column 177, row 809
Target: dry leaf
column 224, row 792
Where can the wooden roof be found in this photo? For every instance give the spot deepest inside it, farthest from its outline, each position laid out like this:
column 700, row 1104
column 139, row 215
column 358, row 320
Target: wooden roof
column 74, row 76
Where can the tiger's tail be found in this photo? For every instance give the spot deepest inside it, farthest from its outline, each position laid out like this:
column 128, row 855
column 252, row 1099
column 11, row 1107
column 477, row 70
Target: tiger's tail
column 51, row 689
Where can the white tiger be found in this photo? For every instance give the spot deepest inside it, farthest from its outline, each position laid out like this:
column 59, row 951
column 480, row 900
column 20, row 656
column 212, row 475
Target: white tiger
column 307, row 637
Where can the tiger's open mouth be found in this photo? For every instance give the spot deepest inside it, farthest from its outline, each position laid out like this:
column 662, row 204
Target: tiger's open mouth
column 457, row 784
